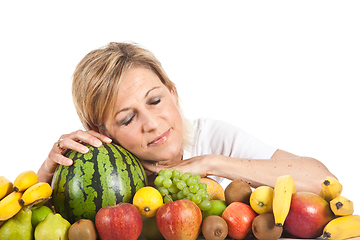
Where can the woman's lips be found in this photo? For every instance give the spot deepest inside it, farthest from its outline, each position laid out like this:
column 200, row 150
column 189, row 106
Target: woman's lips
column 161, row 139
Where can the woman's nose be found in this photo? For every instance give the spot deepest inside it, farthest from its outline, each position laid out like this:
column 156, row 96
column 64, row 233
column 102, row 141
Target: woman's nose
column 150, row 122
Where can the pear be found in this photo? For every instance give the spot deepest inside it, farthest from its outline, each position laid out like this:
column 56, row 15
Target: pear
column 18, row 227
column 53, row 227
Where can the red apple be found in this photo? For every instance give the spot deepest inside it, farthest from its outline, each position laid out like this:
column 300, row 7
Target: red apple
column 121, row 221
column 308, row 215
column 239, row 217
column 179, row 220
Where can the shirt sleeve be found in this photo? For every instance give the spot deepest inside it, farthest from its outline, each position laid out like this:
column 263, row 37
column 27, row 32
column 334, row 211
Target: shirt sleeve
column 219, row 137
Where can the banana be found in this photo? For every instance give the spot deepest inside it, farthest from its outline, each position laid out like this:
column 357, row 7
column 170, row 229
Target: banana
column 10, row 205
column 25, row 180
column 341, row 206
column 343, row 228
column 35, row 192
column 330, row 189
column 6, row 187
column 283, row 191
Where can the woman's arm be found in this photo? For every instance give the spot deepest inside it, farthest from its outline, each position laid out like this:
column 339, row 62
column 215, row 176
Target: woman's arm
column 308, row 173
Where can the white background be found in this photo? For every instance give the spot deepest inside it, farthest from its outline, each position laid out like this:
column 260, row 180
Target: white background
column 286, row 71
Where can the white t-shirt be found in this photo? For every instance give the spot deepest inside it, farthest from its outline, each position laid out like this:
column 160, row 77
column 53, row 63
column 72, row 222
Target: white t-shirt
column 211, row 136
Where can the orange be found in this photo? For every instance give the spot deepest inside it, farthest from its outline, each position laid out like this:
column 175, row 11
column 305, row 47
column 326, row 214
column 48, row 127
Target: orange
column 214, row 189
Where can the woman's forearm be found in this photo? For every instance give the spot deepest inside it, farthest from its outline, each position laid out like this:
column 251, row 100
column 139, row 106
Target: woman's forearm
column 308, row 173
column 46, row 171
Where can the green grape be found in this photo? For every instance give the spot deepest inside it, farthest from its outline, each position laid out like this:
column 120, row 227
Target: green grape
column 196, row 198
column 173, row 189
column 203, row 185
column 168, row 173
column 159, row 181
column 206, row 196
column 185, row 176
column 161, row 172
column 202, row 192
column 163, row 191
column 204, row 205
column 167, row 182
column 194, row 188
column 176, row 173
column 181, row 184
column 181, row 195
column 174, row 196
column 189, row 196
column 176, row 179
column 191, row 181
column 167, row 199
column 197, row 177
column 186, row 191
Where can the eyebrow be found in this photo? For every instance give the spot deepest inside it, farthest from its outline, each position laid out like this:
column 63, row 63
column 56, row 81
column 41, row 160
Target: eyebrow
column 127, row 108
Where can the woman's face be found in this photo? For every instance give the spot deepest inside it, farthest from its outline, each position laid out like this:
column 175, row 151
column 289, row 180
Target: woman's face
column 146, row 119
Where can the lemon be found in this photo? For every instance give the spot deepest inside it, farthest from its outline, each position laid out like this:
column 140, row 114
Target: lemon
column 261, row 199
column 148, row 200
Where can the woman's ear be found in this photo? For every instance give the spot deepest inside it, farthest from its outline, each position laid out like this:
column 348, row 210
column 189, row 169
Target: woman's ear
column 102, row 129
column 174, row 95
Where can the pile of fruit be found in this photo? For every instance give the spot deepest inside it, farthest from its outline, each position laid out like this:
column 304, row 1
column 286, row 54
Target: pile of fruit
column 183, row 206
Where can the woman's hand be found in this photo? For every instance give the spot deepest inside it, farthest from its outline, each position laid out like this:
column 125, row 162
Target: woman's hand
column 197, row 165
column 73, row 141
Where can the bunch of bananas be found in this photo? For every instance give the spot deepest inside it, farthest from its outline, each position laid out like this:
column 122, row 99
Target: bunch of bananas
column 346, row 225
column 26, row 190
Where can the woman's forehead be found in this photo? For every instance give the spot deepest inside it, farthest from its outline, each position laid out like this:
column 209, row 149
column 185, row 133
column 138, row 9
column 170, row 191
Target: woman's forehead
column 138, row 79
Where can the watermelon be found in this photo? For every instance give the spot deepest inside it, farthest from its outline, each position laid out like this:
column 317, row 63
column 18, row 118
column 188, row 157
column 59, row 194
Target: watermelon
column 102, row 177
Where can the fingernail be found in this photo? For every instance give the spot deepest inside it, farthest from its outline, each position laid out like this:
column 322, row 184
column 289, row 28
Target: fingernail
column 108, row 140
column 84, row 149
column 69, row 162
column 97, row 143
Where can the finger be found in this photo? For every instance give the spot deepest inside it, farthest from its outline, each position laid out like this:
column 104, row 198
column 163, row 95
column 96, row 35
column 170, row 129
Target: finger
column 82, row 136
column 62, row 160
column 150, row 166
column 68, row 143
column 100, row 136
column 56, row 156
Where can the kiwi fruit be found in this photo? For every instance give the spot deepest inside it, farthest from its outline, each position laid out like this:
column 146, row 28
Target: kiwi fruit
column 214, row 228
column 82, row 229
column 238, row 191
column 263, row 227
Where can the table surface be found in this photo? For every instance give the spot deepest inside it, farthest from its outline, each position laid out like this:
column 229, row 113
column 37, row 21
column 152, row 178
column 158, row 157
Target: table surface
column 249, row 238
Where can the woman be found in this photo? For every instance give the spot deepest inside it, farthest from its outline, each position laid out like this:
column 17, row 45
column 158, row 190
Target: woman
column 122, row 94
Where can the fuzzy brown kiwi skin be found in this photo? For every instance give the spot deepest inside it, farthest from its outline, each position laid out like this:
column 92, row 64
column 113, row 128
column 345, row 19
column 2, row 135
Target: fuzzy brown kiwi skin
column 264, row 228
column 238, row 191
column 214, row 228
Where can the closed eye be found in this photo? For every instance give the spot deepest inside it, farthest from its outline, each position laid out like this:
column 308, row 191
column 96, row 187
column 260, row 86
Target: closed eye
column 127, row 120
column 155, row 101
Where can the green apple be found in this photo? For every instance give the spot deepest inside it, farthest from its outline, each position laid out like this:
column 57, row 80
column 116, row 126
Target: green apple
column 39, row 214
column 217, row 208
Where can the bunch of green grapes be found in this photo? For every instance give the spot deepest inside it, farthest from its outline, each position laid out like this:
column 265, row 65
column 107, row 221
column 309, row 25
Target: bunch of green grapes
column 174, row 185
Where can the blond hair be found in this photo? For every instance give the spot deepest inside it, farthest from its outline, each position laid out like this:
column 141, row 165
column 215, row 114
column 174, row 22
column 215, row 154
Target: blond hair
column 97, row 77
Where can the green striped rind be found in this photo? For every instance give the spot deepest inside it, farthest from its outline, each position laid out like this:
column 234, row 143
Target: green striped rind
column 96, row 179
